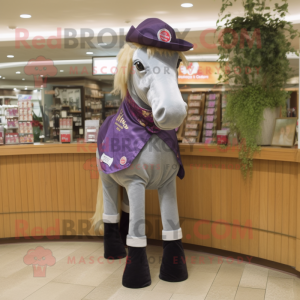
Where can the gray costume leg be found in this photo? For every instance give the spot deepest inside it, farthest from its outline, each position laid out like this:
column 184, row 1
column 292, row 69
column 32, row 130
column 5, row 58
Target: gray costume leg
column 136, row 236
column 110, row 199
column 169, row 211
column 125, row 201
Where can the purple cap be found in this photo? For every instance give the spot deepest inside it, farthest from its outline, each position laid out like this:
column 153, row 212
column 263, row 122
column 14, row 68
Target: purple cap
column 156, row 33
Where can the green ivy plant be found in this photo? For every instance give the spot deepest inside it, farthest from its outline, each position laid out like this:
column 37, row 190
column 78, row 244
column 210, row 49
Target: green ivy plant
column 253, row 56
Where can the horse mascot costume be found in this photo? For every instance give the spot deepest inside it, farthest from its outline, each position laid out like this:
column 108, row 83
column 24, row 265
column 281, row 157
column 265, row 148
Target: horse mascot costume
column 138, row 150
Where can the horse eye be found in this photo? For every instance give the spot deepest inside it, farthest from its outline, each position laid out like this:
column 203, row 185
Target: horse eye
column 139, row 66
column 178, row 63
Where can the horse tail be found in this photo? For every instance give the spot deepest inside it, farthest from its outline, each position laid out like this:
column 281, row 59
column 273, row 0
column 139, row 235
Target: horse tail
column 96, row 219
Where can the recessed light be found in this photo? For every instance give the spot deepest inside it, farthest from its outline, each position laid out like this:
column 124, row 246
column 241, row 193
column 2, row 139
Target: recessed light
column 25, row 16
column 90, row 53
column 42, row 75
column 186, row 5
column 18, row 72
column 23, row 78
column 25, row 88
column 10, row 56
column 102, row 44
column 3, row 78
column 61, row 70
column 0, row 76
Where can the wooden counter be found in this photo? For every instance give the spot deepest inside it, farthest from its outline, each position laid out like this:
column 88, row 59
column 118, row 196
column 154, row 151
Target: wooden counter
column 54, row 185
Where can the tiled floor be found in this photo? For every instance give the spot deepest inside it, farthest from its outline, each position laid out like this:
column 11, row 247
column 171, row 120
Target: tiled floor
column 80, row 272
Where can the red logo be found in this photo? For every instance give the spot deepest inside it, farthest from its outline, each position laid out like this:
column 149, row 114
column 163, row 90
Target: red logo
column 164, row 35
column 39, row 258
column 123, row 160
column 65, row 138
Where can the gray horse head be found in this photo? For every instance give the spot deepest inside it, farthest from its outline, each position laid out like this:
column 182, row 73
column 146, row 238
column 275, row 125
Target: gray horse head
column 152, row 83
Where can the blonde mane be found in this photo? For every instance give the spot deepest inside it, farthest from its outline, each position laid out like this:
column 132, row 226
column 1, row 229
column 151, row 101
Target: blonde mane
column 124, row 66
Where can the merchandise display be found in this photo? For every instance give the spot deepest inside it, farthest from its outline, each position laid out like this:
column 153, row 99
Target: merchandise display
column 144, row 128
column 25, row 120
column 194, row 121
column 211, row 118
column 1, row 135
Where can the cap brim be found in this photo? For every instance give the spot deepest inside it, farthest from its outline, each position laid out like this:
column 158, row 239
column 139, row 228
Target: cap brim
column 134, row 36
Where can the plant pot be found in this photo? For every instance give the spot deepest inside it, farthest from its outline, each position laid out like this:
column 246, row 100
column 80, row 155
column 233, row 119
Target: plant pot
column 36, row 134
column 267, row 126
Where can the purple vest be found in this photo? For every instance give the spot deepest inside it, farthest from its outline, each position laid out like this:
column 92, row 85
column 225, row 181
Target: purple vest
column 121, row 138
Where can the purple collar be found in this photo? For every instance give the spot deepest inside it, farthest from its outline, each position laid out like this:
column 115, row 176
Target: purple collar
column 142, row 115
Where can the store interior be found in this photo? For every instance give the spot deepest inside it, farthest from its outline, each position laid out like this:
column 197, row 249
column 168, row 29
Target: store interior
column 239, row 212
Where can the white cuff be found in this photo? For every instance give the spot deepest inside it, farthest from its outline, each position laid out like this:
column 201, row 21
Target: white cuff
column 134, row 241
column 111, row 218
column 125, row 207
column 172, row 235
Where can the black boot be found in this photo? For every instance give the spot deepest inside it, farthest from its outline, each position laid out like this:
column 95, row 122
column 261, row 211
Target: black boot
column 124, row 226
column 113, row 245
column 137, row 273
column 173, row 267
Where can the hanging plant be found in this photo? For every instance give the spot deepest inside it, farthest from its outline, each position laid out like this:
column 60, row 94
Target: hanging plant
column 253, row 56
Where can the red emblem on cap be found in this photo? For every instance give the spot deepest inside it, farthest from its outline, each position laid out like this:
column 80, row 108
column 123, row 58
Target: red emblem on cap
column 164, row 35
column 123, row 160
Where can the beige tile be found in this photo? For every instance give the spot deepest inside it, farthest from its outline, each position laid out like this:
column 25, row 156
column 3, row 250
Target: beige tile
column 229, row 275
column 279, row 289
column 250, row 294
column 296, row 289
column 60, row 291
column 198, row 285
column 90, row 273
column 221, row 292
column 279, row 274
column 184, row 297
column 22, row 283
column 254, row 277
column 127, row 294
column 151, row 295
column 86, row 251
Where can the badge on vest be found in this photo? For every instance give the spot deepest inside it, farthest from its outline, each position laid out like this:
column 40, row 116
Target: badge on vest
column 106, row 159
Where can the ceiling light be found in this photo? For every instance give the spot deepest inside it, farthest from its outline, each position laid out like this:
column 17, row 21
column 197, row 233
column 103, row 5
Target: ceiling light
column 42, row 75
column 186, row 5
column 25, row 16
column 18, row 72
column 23, row 78
column 25, row 88
column 61, row 70
column 10, row 56
column 89, row 53
column 15, row 89
column 0, row 76
column 3, row 78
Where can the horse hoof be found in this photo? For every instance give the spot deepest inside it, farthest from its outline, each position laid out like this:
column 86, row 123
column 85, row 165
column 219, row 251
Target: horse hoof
column 113, row 245
column 173, row 267
column 137, row 273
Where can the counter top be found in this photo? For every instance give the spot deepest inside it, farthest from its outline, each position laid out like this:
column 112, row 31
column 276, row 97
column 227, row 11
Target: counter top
column 266, row 153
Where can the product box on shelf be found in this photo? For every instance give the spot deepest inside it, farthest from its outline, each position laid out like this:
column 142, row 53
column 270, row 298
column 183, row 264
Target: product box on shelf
column 91, row 130
column 66, row 136
column 11, row 138
column 222, row 137
column 1, row 135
